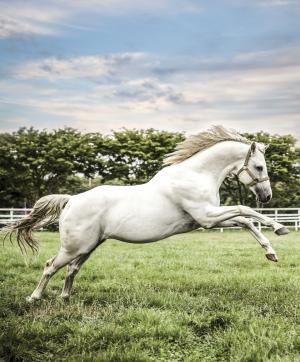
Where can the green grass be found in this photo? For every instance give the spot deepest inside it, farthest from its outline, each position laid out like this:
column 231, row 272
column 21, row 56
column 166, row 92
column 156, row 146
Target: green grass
column 203, row 296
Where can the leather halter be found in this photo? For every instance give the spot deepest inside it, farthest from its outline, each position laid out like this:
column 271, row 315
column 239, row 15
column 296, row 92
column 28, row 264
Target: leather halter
column 255, row 180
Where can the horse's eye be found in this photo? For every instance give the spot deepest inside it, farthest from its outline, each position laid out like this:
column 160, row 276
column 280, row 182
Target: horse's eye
column 259, row 168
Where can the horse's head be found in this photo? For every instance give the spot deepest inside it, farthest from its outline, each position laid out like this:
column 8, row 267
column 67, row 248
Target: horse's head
column 254, row 173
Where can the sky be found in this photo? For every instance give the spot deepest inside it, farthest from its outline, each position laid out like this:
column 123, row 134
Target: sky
column 177, row 65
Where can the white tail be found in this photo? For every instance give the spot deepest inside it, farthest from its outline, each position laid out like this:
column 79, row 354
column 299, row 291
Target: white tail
column 45, row 212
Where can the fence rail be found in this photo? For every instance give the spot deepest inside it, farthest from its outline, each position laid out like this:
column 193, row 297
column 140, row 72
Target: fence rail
column 10, row 215
column 287, row 216
column 290, row 217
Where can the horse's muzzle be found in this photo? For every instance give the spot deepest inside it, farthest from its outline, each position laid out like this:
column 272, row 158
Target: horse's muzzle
column 265, row 199
column 263, row 195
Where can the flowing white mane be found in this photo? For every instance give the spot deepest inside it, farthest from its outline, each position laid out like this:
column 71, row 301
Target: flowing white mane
column 202, row 141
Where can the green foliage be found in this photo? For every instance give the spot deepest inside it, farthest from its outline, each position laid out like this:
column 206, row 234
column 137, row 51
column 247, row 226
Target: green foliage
column 35, row 163
column 202, row 296
column 134, row 156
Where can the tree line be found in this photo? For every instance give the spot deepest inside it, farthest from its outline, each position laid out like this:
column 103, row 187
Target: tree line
column 35, row 163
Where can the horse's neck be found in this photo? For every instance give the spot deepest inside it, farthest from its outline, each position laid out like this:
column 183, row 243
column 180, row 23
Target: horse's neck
column 219, row 160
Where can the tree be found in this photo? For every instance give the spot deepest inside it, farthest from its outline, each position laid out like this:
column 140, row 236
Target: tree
column 11, row 180
column 35, row 163
column 134, row 156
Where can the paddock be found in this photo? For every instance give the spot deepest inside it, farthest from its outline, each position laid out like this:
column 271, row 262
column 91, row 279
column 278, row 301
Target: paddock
column 201, row 296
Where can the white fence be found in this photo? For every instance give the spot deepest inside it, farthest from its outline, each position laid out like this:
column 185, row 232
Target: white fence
column 287, row 216
column 290, row 217
column 8, row 216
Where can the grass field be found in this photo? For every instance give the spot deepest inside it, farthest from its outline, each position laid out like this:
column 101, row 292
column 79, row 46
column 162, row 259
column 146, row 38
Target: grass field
column 203, row 296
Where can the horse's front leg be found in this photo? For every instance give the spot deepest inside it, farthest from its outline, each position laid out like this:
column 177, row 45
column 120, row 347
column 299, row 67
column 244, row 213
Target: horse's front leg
column 247, row 224
column 210, row 216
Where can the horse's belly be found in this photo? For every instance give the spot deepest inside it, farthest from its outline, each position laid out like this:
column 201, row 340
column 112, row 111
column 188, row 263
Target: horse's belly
column 149, row 228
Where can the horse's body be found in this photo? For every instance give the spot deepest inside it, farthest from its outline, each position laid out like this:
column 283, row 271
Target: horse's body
column 135, row 214
column 179, row 198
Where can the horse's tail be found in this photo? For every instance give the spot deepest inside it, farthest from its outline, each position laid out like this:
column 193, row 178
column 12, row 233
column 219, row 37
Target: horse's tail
column 45, row 212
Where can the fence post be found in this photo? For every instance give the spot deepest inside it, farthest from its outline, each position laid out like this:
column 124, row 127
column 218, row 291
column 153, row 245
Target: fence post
column 11, row 215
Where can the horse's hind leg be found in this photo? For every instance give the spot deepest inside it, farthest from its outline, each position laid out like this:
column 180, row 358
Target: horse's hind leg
column 73, row 269
column 51, row 267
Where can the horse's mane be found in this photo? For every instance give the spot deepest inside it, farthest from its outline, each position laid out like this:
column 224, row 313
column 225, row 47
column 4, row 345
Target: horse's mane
column 202, row 141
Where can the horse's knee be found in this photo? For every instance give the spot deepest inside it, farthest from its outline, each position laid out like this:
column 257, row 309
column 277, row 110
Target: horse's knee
column 48, row 272
column 249, row 225
column 49, row 261
column 243, row 210
column 207, row 225
column 49, row 268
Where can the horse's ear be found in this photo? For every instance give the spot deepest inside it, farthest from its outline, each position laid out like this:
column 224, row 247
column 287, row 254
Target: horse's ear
column 253, row 147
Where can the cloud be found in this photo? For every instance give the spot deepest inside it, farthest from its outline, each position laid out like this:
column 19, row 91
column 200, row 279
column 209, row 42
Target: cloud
column 139, row 65
column 19, row 18
column 124, row 7
column 277, row 3
column 102, row 92
column 78, row 67
column 25, row 18
column 167, row 90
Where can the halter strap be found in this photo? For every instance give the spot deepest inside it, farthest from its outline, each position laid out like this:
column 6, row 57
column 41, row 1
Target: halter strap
column 255, row 180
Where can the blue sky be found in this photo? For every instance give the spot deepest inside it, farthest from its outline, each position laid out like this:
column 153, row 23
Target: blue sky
column 98, row 65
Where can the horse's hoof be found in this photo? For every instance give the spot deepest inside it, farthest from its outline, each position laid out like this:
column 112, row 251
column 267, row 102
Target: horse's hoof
column 282, row 231
column 272, row 257
column 65, row 298
column 29, row 299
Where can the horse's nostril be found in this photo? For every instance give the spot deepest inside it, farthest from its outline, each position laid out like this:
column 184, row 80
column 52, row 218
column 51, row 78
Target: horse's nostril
column 268, row 198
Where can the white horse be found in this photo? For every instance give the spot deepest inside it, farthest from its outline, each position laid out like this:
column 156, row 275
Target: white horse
column 181, row 197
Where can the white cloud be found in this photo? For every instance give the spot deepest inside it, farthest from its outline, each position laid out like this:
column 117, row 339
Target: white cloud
column 19, row 18
column 121, row 7
column 25, row 18
column 126, row 89
column 79, row 67
column 277, row 2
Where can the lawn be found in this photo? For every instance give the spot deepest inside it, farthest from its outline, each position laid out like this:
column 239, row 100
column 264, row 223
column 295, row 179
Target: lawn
column 202, row 296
